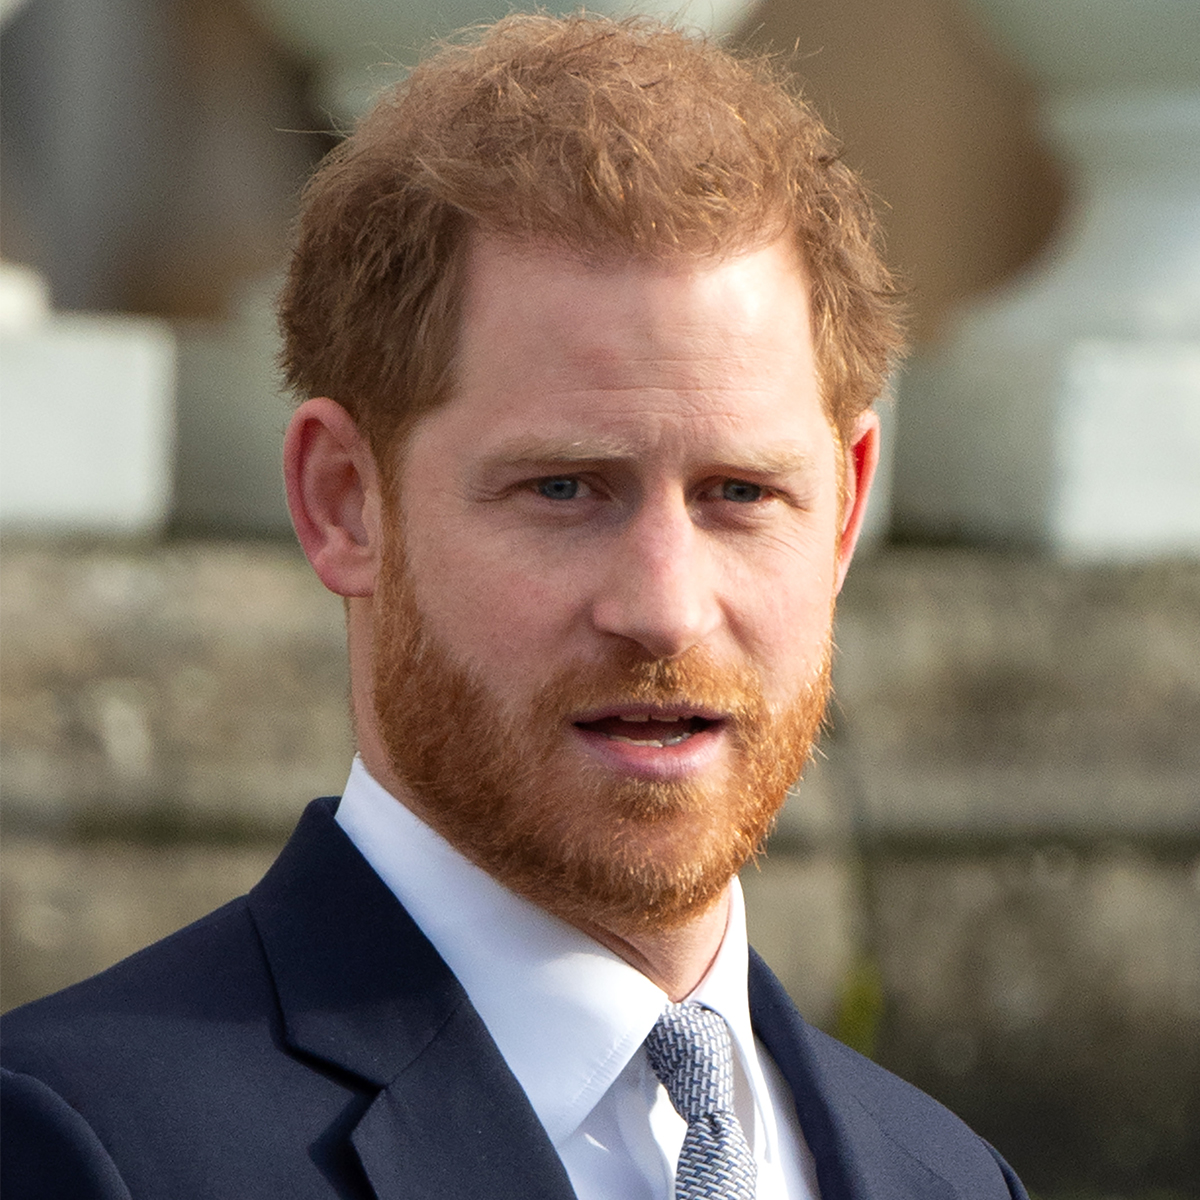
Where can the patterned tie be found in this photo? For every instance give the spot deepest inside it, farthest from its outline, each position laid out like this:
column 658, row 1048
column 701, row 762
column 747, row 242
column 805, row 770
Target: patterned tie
column 692, row 1056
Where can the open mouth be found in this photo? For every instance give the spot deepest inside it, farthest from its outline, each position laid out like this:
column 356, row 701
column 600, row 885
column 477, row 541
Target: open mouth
column 649, row 728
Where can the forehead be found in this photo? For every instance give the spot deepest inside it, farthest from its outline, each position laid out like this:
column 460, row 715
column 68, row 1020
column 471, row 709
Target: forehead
column 528, row 290
column 630, row 319
column 630, row 355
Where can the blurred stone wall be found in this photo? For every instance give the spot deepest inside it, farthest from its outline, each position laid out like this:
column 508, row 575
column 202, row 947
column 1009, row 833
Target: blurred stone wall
column 990, row 880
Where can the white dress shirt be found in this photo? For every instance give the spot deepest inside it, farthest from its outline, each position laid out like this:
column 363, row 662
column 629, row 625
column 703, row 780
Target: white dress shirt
column 569, row 1016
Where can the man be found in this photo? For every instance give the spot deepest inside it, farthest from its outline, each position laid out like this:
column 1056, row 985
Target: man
column 593, row 320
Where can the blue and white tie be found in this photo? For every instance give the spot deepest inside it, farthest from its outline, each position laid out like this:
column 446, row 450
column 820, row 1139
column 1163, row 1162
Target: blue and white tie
column 691, row 1053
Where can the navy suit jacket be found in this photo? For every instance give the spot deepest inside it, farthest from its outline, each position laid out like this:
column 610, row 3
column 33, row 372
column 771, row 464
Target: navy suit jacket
column 306, row 1041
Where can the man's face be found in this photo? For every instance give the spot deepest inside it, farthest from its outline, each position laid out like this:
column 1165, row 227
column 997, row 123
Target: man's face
column 602, row 626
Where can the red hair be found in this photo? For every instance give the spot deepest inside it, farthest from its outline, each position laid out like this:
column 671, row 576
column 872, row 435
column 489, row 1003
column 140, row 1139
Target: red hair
column 610, row 138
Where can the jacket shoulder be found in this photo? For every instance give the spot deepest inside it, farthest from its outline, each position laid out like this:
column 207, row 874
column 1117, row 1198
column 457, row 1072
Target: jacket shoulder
column 868, row 1123
column 49, row 1149
column 913, row 1118
column 211, row 970
column 171, row 1073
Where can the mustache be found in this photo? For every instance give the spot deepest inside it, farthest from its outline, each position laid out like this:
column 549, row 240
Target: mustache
column 626, row 677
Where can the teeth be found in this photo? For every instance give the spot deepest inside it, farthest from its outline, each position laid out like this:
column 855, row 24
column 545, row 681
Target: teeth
column 671, row 740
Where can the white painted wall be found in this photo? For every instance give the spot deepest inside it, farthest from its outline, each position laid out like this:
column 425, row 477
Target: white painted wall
column 87, row 423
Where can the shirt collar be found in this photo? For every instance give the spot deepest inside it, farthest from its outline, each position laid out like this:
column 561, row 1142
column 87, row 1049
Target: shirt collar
column 566, row 1013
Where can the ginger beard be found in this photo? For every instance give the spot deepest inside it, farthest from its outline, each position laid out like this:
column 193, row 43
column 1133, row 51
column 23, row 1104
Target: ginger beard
column 510, row 794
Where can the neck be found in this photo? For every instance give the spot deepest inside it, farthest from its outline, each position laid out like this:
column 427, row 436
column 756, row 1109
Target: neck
column 673, row 959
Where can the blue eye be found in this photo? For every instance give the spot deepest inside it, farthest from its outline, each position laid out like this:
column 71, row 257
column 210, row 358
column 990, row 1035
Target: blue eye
column 741, row 492
column 558, row 488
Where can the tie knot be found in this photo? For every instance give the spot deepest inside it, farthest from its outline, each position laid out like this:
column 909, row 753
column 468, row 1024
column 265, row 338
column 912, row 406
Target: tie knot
column 691, row 1053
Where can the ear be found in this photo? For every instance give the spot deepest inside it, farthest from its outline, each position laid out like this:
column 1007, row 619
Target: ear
column 334, row 496
column 861, row 459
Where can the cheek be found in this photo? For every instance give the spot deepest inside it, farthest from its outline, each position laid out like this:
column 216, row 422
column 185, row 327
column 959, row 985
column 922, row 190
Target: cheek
column 785, row 624
column 793, row 645
column 491, row 617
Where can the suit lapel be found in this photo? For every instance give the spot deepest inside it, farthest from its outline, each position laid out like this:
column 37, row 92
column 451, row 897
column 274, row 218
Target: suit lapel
column 856, row 1158
column 456, row 1123
column 362, row 989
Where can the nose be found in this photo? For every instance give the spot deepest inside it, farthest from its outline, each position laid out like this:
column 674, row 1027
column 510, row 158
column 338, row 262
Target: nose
column 658, row 588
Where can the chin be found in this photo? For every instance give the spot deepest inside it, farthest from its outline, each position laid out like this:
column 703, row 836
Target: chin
column 643, row 858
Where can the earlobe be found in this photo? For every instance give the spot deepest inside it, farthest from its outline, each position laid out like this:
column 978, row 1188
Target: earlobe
column 333, row 495
column 861, row 459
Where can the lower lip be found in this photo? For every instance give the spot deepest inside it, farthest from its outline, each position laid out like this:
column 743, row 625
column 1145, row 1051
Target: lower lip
column 683, row 760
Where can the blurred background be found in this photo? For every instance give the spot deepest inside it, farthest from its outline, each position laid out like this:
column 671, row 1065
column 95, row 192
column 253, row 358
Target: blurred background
column 990, row 881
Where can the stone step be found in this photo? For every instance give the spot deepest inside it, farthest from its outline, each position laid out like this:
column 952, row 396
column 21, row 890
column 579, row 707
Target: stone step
column 199, row 685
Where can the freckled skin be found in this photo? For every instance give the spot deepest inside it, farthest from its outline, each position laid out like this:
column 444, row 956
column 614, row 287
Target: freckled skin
column 691, row 372
column 634, row 462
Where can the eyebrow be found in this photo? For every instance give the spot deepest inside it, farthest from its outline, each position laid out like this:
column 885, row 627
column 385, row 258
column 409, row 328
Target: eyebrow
column 779, row 460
